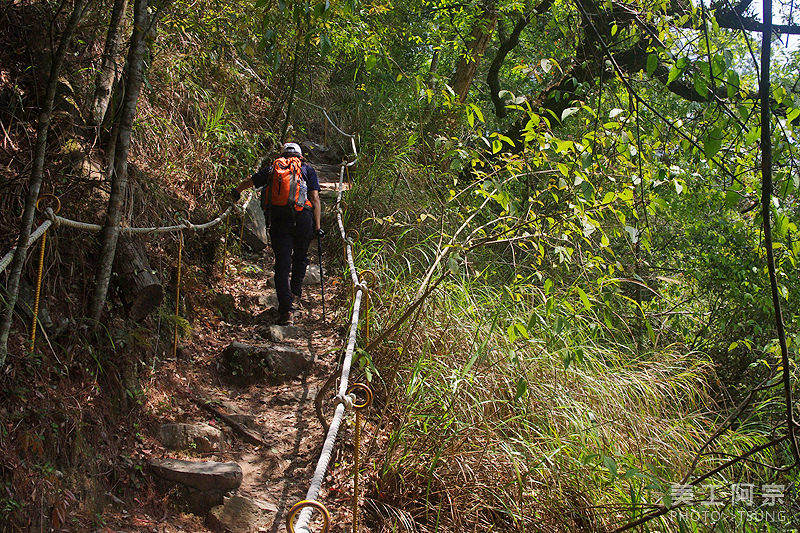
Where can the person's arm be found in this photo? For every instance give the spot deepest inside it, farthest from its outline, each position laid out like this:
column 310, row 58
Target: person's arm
column 313, row 195
column 243, row 186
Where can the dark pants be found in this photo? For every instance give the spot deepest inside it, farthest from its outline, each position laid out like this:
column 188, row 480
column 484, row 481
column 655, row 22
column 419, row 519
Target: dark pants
column 290, row 242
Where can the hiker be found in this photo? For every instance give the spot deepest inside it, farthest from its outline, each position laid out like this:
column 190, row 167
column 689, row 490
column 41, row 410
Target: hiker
column 293, row 213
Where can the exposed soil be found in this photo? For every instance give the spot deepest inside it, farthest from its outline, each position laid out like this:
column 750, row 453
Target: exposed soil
column 279, row 472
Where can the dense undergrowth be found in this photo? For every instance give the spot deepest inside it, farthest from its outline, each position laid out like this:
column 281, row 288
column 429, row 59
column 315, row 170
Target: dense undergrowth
column 600, row 305
column 516, row 401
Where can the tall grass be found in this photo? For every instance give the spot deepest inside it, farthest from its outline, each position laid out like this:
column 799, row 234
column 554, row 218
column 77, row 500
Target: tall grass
column 526, row 405
column 490, row 434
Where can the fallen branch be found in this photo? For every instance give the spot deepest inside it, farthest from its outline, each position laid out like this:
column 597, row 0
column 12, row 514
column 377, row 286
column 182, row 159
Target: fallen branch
column 249, row 436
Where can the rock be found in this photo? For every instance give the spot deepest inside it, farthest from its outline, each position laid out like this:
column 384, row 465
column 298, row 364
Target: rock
column 199, row 475
column 290, row 362
column 312, row 275
column 226, row 305
column 241, row 515
column 319, row 154
column 255, row 231
column 200, row 502
column 247, row 364
column 288, row 397
column 201, row 438
column 278, row 333
column 268, row 300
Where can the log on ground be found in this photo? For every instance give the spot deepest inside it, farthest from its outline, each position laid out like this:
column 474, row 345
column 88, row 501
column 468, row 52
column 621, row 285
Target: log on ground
column 140, row 289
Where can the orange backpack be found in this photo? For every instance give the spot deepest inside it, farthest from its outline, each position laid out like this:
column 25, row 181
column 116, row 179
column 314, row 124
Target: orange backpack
column 286, row 186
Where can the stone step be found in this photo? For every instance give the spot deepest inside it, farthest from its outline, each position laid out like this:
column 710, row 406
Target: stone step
column 249, row 364
column 200, row 475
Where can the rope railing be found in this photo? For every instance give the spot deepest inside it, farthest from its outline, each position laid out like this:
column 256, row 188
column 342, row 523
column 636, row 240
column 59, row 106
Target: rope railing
column 55, row 221
column 162, row 229
column 38, row 232
column 345, row 399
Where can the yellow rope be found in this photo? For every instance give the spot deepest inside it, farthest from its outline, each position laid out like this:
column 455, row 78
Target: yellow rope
column 38, row 291
column 177, row 296
column 41, row 269
column 225, row 245
column 178, row 285
column 359, row 407
column 357, row 453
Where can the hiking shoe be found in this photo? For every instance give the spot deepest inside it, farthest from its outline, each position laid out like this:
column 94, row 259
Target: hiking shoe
column 284, row 319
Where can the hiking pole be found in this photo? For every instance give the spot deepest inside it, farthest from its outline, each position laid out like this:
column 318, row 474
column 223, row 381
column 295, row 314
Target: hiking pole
column 320, row 233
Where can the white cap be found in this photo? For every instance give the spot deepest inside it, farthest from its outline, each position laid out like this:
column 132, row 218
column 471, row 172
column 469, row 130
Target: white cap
column 291, row 148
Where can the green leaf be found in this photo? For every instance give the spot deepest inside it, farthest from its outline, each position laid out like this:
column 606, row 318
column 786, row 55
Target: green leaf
column 652, row 63
column 452, row 264
column 626, row 195
column 479, row 114
column 497, row 145
column 674, row 72
column 731, row 199
column 713, row 142
column 781, row 226
column 611, row 465
column 325, row 44
column 370, row 62
column 522, row 388
column 585, row 299
column 631, row 472
column 701, row 84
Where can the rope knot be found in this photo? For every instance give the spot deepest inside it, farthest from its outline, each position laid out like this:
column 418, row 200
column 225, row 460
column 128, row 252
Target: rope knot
column 50, row 215
column 361, row 286
column 347, row 399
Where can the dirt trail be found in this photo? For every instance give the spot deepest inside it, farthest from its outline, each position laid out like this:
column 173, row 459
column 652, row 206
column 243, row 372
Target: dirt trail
column 277, row 474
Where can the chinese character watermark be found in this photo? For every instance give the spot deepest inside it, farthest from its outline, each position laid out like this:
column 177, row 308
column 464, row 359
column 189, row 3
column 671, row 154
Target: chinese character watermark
column 747, row 501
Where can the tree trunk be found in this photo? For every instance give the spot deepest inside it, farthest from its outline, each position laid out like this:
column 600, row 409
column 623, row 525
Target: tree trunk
column 434, row 67
column 37, row 173
column 476, row 43
column 134, row 69
column 109, row 67
column 140, row 289
column 493, row 76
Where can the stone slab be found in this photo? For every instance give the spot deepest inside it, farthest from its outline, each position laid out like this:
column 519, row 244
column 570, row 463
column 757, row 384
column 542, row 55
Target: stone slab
column 201, row 438
column 200, row 475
